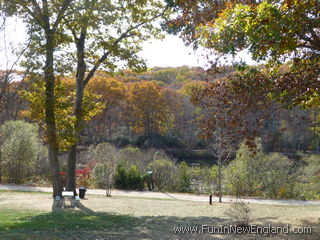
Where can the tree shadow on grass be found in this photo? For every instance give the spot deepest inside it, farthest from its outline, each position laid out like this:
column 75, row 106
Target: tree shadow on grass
column 81, row 223
column 65, row 204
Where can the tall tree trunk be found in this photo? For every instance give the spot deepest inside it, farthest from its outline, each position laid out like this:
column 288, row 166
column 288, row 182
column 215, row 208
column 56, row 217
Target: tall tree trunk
column 50, row 115
column 220, row 151
column 219, row 176
column 78, row 112
column 72, row 158
column 0, row 168
column 71, row 169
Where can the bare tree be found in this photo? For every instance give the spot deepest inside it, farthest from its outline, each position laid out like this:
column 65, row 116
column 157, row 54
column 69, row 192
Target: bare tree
column 106, row 156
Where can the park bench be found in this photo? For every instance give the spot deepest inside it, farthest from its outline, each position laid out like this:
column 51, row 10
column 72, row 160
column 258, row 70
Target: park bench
column 67, row 194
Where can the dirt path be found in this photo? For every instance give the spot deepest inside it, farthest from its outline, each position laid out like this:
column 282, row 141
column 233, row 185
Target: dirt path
column 164, row 195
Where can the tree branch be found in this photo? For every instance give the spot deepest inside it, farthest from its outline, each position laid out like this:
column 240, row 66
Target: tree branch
column 122, row 36
column 36, row 6
column 63, row 9
column 32, row 14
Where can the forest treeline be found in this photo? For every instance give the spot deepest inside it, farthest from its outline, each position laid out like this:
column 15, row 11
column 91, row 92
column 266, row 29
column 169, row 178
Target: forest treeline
column 152, row 109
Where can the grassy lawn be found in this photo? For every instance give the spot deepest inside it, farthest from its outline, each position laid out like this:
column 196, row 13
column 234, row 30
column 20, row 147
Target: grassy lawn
column 68, row 225
column 29, row 216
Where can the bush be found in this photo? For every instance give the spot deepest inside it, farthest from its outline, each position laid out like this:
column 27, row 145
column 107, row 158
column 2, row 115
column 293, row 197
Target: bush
column 83, row 177
column 99, row 175
column 163, row 174
column 140, row 140
column 310, row 177
column 111, row 161
column 105, row 157
column 19, row 150
column 276, row 177
column 184, row 181
column 141, row 158
column 42, row 169
column 268, row 175
column 240, row 213
column 134, row 179
column 120, row 178
column 203, row 179
column 129, row 180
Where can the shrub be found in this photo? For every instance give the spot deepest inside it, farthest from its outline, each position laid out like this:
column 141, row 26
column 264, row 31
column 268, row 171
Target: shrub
column 42, row 168
column 108, row 154
column 139, row 141
column 240, row 213
column 157, row 140
column 99, row 175
column 134, row 179
column 130, row 180
column 141, row 158
column 240, row 173
column 83, row 177
column 120, row 178
column 105, row 156
column 163, row 174
column 119, row 162
column 19, row 150
column 184, row 181
column 275, row 177
column 310, row 177
column 203, row 179
column 104, row 152
column 268, row 175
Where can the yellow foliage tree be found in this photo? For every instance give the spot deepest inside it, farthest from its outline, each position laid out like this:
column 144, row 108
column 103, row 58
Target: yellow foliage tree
column 145, row 109
column 64, row 101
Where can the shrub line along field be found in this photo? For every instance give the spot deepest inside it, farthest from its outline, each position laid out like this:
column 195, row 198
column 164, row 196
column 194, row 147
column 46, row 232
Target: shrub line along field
column 164, row 195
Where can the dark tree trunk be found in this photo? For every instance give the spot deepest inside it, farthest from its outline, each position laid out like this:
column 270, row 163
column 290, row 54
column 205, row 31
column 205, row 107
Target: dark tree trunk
column 219, row 178
column 78, row 112
column 220, row 152
column 50, row 116
column 0, row 168
column 71, row 169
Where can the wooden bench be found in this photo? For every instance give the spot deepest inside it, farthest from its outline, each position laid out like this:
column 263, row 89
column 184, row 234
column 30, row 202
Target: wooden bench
column 67, row 194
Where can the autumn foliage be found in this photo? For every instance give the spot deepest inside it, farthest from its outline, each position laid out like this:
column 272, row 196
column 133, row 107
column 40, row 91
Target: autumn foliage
column 145, row 108
column 64, row 101
column 83, row 177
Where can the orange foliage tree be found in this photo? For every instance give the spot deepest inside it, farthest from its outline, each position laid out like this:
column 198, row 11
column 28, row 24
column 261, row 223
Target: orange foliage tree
column 112, row 95
column 146, row 109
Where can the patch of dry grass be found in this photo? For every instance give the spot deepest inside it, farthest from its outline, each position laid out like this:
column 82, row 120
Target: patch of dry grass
column 29, row 216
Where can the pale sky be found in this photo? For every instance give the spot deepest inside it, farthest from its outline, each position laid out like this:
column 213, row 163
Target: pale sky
column 172, row 52
column 169, row 52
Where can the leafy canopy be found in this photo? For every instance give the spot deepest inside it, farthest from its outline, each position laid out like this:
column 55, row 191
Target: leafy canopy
column 64, row 102
column 269, row 30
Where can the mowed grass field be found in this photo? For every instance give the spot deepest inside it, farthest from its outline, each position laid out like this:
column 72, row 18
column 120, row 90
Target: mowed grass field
column 25, row 215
